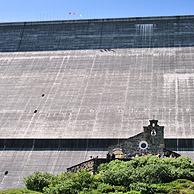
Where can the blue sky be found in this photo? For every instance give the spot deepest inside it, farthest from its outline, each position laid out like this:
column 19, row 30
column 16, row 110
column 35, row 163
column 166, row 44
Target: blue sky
column 33, row 10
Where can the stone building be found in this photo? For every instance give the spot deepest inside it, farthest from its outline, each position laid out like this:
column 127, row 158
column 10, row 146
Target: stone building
column 150, row 141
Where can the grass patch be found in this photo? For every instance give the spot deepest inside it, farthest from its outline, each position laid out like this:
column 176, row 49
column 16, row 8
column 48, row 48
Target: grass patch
column 18, row 191
column 180, row 186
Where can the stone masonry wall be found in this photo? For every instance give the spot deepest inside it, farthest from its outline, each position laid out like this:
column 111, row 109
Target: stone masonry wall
column 150, row 141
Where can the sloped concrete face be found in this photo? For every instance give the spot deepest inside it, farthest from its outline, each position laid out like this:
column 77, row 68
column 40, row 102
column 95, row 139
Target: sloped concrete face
column 94, row 94
column 22, row 163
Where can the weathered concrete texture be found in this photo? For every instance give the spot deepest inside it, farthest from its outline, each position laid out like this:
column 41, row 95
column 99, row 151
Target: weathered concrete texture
column 20, row 163
column 189, row 154
column 94, row 94
column 98, row 34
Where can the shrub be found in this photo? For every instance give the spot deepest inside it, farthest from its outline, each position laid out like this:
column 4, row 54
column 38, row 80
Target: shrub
column 120, row 189
column 124, row 175
column 105, row 188
column 117, row 173
column 94, row 191
column 67, row 187
column 145, row 188
column 133, row 192
column 184, row 174
column 84, row 179
column 154, row 173
column 71, row 183
column 142, row 174
column 38, row 180
column 62, row 177
column 121, row 177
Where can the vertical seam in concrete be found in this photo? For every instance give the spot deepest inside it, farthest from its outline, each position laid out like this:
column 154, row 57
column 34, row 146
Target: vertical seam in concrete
column 21, row 36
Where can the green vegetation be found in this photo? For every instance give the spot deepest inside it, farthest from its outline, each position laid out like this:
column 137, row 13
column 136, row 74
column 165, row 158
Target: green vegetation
column 18, row 191
column 38, row 181
column 142, row 175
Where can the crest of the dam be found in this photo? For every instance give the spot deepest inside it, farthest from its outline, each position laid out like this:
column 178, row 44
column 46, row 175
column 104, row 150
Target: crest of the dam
column 71, row 89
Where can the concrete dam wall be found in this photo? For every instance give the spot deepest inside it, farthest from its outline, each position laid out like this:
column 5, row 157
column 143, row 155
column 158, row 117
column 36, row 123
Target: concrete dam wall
column 69, row 89
column 147, row 32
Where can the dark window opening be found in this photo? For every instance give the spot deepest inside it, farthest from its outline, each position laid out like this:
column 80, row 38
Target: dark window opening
column 143, row 145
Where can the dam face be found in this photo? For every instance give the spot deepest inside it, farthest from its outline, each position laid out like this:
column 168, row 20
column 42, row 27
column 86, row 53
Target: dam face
column 70, row 89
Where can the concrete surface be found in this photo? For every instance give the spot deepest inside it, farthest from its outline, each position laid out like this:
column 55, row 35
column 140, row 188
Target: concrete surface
column 21, row 163
column 91, row 79
column 94, row 94
column 147, row 32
